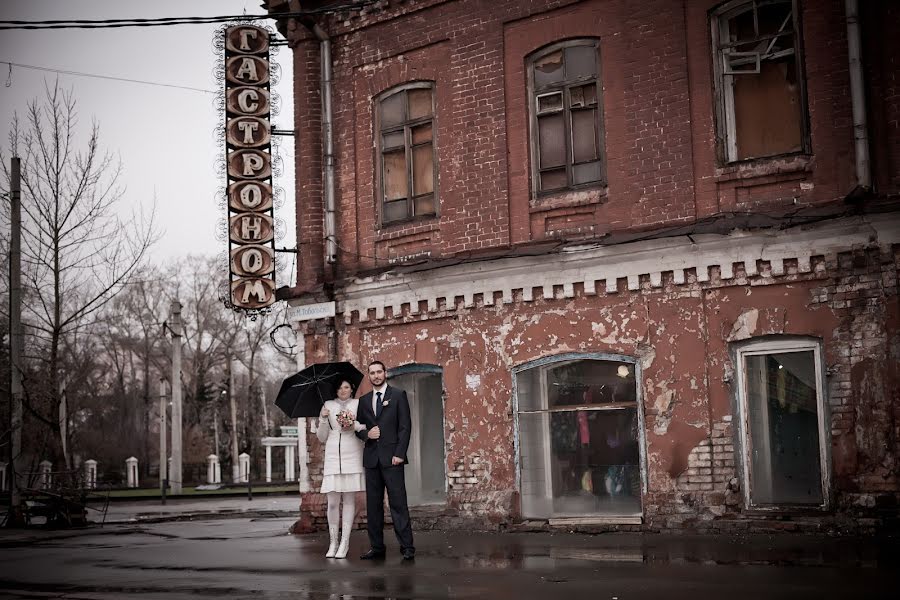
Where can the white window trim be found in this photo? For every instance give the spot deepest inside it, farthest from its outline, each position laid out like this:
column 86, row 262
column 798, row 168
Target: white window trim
column 781, row 346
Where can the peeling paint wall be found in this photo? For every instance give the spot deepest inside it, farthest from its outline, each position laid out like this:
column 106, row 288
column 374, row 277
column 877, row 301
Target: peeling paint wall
column 682, row 336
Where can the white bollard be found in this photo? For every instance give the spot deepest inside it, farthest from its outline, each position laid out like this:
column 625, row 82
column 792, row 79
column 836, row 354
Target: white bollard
column 46, row 478
column 244, row 467
column 90, row 474
column 213, row 469
column 131, row 470
column 2, row 476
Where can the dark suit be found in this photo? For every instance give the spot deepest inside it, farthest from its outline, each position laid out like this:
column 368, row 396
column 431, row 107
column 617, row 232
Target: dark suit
column 393, row 420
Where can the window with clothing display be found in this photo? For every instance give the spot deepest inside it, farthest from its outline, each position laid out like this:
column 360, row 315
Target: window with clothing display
column 579, row 439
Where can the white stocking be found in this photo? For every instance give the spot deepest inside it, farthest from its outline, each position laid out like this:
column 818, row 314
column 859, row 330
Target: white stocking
column 349, row 513
column 334, row 508
column 334, row 503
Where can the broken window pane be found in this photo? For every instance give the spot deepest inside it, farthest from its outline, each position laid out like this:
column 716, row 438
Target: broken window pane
column 775, row 17
column 581, row 62
column 419, row 103
column 584, row 136
column 393, row 110
column 579, row 461
column 583, row 95
column 395, row 178
column 395, row 211
column 423, row 170
column 548, row 69
column 421, row 134
column 783, row 420
column 763, row 105
column 552, row 140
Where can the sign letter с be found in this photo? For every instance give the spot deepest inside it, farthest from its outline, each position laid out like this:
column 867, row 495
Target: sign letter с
column 248, row 101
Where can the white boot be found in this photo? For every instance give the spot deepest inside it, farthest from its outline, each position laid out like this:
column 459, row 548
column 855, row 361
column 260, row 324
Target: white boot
column 333, row 536
column 345, row 544
column 349, row 513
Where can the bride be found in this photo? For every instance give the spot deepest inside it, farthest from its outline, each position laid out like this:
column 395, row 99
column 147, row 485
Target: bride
column 343, row 469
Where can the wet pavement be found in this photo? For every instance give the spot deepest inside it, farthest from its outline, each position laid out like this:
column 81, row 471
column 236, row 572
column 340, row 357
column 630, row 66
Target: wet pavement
column 256, row 558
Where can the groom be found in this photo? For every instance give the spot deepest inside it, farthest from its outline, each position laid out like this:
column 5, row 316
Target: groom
column 385, row 414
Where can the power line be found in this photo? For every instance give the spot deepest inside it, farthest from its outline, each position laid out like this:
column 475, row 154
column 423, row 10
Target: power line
column 169, row 21
column 110, row 77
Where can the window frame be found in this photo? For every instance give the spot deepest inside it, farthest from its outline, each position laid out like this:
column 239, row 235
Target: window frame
column 548, row 362
column 781, row 345
column 534, row 93
column 726, row 135
column 406, row 127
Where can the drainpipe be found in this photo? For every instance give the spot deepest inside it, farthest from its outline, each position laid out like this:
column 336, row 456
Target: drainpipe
column 327, row 133
column 328, row 143
column 858, row 97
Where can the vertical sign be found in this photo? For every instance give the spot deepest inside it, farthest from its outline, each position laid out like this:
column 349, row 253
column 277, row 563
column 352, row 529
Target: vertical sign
column 248, row 136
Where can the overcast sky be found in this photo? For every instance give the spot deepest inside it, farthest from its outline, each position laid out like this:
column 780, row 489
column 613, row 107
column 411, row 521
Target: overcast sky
column 165, row 136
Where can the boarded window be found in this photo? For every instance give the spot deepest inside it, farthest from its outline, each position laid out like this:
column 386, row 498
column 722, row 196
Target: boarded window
column 762, row 109
column 566, row 116
column 406, row 148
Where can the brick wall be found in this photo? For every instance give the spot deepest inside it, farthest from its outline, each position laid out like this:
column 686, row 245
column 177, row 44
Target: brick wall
column 659, row 121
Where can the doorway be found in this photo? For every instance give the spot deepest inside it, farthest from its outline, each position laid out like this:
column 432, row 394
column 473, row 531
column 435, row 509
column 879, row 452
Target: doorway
column 426, row 473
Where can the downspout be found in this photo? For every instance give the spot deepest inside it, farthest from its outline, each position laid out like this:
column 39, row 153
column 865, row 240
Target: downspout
column 328, row 143
column 858, row 97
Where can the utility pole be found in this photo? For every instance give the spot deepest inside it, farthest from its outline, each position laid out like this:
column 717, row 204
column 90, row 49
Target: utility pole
column 15, row 339
column 175, row 328
column 235, row 467
column 163, row 446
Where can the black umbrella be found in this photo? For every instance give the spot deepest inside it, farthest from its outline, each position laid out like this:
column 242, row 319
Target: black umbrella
column 303, row 394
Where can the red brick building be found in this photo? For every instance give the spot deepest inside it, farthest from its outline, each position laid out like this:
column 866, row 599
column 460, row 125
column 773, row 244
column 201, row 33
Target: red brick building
column 628, row 258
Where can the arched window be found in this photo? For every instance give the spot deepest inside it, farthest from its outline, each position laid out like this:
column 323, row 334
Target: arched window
column 566, row 116
column 580, row 436
column 407, row 167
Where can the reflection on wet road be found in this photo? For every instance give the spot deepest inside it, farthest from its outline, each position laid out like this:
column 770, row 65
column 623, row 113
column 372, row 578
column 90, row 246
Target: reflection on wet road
column 244, row 558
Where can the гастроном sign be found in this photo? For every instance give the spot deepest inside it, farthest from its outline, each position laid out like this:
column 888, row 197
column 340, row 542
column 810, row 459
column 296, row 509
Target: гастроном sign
column 251, row 226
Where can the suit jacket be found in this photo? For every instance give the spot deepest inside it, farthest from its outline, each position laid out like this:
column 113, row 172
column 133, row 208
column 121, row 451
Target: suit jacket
column 394, row 422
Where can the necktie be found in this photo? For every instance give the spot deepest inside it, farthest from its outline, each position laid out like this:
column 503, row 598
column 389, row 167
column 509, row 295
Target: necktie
column 375, row 408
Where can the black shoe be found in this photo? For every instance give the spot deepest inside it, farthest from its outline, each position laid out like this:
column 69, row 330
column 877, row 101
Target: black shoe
column 372, row 555
column 409, row 555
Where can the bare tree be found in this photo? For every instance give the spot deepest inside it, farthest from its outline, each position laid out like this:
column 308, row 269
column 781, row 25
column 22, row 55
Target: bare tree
column 78, row 250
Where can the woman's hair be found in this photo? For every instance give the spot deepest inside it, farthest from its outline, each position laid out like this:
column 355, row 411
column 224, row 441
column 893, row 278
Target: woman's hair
column 341, row 382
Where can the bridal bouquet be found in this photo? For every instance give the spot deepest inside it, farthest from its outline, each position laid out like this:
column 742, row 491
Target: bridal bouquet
column 345, row 419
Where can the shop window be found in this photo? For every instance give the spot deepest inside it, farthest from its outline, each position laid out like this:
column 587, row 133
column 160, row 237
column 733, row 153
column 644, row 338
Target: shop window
column 566, row 116
column 783, row 423
column 759, row 79
column 579, row 439
column 406, row 132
